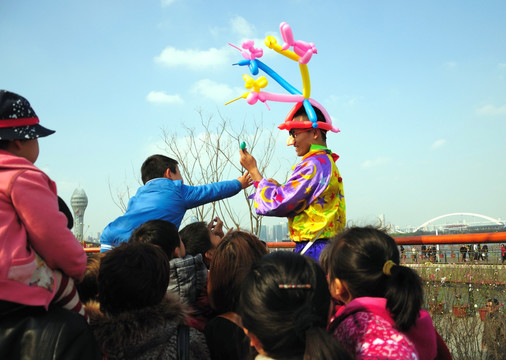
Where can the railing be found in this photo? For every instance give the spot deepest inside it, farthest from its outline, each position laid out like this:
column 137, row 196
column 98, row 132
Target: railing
column 449, row 251
column 481, row 238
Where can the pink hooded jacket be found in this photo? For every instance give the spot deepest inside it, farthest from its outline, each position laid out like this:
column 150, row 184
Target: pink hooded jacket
column 34, row 238
column 364, row 324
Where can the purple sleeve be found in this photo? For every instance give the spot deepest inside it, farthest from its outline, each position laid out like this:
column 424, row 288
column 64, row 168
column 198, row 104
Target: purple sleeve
column 307, row 182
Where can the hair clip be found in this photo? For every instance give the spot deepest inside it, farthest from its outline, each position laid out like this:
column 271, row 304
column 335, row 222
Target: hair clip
column 387, row 267
column 295, row 286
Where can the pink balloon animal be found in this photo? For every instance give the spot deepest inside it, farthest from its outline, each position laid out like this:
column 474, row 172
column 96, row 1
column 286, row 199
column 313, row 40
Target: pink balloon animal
column 304, row 49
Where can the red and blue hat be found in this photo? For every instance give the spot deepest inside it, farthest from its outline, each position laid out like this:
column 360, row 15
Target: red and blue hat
column 18, row 121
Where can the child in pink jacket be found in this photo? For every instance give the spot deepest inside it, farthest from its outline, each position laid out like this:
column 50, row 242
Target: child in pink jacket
column 382, row 316
column 39, row 256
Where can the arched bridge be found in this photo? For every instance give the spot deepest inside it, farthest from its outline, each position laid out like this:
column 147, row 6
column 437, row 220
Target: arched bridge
column 488, row 218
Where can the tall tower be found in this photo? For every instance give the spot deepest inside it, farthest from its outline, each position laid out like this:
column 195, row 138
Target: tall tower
column 79, row 202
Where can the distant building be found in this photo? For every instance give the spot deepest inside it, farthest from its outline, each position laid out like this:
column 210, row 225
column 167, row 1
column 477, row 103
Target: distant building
column 79, row 202
column 263, row 233
column 285, row 232
column 278, row 232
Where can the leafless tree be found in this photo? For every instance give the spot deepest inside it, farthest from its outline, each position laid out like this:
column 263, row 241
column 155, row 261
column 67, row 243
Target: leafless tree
column 210, row 154
column 121, row 195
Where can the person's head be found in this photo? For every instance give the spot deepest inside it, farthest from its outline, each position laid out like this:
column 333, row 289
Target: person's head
column 284, row 306
column 88, row 287
column 159, row 166
column 492, row 303
column 231, row 262
column 199, row 239
column 161, row 233
column 364, row 262
column 19, row 126
column 303, row 138
column 132, row 276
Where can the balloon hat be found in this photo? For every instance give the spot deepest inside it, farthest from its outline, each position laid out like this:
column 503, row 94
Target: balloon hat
column 302, row 53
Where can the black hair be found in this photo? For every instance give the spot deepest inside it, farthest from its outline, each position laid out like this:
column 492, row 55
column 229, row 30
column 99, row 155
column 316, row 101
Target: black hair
column 158, row 232
column 4, row 144
column 196, row 239
column 319, row 117
column 88, row 287
column 62, row 206
column 324, row 259
column 290, row 322
column 132, row 276
column 155, row 166
column 357, row 257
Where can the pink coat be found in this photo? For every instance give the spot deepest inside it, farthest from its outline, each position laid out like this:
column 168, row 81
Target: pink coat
column 365, row 328
column 34, row 238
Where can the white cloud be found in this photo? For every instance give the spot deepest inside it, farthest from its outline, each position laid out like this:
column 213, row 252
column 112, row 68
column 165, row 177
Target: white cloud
column 437, row 144
column 502, row 65
column 376, row 162
column 217, row 30
column 451, row 64
column 160, row 97
column 166, row 3
column 491, row 110
column 194, row 59
column 217, row 92
column 240, row 26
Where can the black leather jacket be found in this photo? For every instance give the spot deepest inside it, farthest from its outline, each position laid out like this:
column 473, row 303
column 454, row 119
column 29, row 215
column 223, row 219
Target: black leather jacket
column 28, row 332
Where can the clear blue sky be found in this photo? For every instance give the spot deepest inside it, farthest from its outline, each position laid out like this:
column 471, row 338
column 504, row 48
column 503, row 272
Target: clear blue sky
column 418, row 90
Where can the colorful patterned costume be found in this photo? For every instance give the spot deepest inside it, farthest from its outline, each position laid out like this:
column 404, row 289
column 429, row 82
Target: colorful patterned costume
column 312, row 198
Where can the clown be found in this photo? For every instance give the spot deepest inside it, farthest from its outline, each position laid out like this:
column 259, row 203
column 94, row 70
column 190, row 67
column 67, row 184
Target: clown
column 312, row 198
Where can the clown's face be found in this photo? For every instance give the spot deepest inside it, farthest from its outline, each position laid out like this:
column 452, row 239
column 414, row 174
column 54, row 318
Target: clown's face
column 302, row 139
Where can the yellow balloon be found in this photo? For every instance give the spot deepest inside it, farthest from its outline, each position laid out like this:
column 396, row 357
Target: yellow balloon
column 271, row 42
column 243, row 96
column 306, row 84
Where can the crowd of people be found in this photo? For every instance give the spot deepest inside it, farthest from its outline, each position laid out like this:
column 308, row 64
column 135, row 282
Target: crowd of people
column 160, row 292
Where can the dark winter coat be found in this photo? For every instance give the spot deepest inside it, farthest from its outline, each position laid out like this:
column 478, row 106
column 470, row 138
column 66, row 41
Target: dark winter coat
column 149, row 333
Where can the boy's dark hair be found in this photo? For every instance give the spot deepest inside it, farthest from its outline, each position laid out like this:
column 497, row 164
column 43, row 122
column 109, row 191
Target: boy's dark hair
column 161, row 233
column 132, row 276
column 155, row 166
column 233, row 258
column 88, row 288
column 289, row 322
column 196, row 239
column 319, row 117
column 357, row 257
column 4, row 144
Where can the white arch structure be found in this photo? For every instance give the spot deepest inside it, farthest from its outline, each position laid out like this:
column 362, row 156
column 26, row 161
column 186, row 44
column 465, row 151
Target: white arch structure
column 456, row 214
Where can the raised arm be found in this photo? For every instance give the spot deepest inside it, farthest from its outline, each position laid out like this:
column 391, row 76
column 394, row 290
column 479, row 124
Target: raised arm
column 250, row 164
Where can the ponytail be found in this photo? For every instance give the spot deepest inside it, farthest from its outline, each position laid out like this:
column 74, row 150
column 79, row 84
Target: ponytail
column 404, row 294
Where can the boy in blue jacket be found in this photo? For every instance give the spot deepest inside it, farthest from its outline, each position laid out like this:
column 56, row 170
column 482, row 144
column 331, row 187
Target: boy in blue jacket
column 165, row 197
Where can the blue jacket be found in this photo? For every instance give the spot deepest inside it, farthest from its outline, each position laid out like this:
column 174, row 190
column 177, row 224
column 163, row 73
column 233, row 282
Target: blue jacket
column 163, row 199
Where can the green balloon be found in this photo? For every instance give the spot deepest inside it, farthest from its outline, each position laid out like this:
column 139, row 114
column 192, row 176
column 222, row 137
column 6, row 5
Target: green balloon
column 243, row 145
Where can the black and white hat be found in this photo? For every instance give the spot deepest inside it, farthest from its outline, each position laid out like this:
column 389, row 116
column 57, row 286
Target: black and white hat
column 18, row 121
